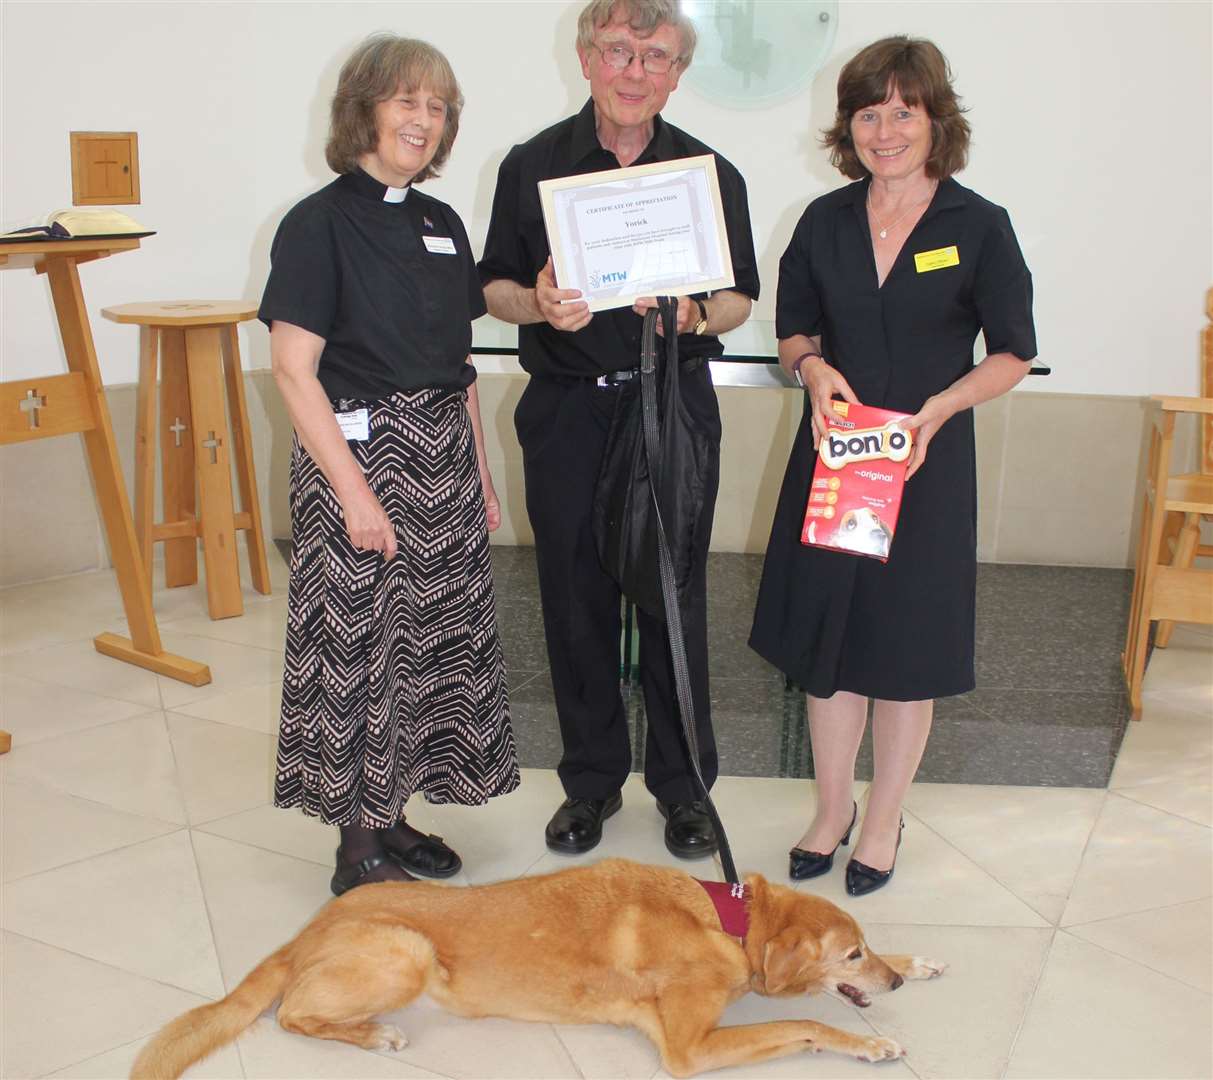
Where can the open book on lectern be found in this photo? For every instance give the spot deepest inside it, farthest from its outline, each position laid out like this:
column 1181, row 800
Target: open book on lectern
column 75, row 224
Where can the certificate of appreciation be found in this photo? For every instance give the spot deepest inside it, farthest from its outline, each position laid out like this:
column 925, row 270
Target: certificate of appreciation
column 649, row 230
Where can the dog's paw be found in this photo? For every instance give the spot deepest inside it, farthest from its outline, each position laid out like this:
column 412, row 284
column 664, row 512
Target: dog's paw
column 880, row 1049
column 389, row 1037
column 923, row 967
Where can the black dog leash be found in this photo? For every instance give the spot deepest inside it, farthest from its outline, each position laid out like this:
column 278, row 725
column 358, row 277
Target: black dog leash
column 668, row 308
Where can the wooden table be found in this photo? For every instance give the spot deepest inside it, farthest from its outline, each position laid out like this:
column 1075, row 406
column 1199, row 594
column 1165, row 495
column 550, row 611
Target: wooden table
column 66, row 404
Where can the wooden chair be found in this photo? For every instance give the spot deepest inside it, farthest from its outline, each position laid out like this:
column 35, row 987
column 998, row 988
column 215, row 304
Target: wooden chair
column 1166, row 591
column 1182, row 536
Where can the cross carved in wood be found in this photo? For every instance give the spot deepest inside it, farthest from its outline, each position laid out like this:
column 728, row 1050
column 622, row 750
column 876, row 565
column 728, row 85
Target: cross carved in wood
column 212, row 444
column 32, row 403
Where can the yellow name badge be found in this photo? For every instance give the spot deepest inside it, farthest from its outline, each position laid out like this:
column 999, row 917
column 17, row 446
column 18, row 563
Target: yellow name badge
column 937, row 259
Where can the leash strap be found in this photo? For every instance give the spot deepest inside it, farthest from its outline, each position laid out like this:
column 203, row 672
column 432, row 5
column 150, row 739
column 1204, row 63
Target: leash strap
column 668, row 307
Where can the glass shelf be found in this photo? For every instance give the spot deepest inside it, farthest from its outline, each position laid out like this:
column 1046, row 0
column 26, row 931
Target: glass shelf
column 749, row 352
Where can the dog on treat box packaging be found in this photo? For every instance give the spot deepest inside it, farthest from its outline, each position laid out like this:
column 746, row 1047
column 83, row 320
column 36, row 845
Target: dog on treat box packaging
column 615, row 942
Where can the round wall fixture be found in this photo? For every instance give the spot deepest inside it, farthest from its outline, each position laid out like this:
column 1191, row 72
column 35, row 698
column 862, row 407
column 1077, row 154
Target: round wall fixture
column 758, row 52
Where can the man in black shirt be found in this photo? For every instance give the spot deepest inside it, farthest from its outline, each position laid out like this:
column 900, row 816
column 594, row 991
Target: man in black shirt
column 632, row 53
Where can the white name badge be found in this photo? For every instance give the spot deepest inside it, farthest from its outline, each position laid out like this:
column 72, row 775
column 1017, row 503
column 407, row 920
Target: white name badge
column 355, row 425
column 439, row 245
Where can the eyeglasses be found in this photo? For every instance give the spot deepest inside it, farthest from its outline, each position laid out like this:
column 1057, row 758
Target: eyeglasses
column 620, row 57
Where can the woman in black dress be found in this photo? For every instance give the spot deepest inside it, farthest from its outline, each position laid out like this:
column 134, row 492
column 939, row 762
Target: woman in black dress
column 394, row 680
column 882, row 292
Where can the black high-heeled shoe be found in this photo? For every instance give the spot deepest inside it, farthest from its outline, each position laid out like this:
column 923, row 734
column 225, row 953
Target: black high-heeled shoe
column 862, row 879
column 803, row 865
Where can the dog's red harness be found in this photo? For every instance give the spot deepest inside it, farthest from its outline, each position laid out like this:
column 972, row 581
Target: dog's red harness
column 730, row 901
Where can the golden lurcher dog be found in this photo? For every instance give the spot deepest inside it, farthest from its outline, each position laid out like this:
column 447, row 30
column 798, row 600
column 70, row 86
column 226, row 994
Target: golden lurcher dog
column 615, row 943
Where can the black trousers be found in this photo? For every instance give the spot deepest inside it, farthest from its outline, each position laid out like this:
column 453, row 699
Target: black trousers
column 562, row 427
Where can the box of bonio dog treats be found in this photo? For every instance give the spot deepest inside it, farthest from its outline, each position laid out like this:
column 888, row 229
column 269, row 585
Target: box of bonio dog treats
column 856, row 490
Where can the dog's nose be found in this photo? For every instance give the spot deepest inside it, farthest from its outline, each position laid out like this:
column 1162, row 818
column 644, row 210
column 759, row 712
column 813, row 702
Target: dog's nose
column 897, row 981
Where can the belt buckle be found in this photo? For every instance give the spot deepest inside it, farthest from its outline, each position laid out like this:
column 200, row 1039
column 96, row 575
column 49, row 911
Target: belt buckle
column 619, row 377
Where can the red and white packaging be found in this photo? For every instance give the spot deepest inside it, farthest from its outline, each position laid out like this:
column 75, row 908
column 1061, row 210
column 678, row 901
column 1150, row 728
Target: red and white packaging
column 856, row 491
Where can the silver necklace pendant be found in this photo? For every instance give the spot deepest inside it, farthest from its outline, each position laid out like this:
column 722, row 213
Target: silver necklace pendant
column 884, row 229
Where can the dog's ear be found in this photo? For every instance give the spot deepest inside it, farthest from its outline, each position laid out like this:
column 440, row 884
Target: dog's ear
column 785, row 957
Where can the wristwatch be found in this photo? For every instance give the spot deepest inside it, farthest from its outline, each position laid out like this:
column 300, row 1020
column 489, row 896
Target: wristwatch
column 700, row 327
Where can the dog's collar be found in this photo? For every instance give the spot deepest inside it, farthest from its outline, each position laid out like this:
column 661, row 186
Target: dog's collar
column 730, row 902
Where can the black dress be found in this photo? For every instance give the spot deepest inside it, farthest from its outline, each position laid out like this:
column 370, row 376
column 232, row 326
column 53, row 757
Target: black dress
column 901, row 630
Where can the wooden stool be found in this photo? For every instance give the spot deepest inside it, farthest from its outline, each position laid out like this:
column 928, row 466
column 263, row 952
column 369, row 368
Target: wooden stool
column 1166, row 592
column 190, row 337
column 1181, row 534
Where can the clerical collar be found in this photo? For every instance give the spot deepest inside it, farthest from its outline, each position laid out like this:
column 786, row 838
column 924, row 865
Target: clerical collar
column 362, row 183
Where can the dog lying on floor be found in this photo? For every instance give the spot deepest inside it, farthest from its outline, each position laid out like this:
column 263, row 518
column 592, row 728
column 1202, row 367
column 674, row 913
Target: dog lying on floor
column 615, row 942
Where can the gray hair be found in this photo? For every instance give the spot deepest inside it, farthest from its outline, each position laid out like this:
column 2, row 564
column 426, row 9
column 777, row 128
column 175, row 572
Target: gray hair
column 644, row 16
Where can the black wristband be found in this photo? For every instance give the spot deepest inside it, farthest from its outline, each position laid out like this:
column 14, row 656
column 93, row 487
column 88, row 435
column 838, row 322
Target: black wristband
column 800, row 360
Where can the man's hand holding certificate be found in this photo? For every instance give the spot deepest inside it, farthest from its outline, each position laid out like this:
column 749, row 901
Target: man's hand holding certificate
column 626, row 234
column 562, row 308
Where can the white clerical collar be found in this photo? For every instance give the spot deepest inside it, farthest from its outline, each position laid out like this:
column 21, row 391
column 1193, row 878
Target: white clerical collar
column 395, row 194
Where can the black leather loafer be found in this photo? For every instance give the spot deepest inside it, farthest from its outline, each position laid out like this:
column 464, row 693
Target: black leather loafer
column 427, row 857
column 803, row 864
column 577, row 826
column 350, row 875
column 862, row 879
column 688, row 829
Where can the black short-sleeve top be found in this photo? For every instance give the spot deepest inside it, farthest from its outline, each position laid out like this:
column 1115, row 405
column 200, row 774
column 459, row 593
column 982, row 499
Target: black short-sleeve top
column 390, row 286
column 517, row 246
column 960, row 272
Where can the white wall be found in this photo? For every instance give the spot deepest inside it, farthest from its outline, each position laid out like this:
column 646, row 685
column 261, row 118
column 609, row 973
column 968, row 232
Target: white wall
column 1092, row 126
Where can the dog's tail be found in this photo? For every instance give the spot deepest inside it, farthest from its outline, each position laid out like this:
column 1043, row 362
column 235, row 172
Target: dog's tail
column 201, row 1031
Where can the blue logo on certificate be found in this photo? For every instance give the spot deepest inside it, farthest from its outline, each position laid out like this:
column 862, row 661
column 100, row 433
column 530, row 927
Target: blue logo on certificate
column 599, row 278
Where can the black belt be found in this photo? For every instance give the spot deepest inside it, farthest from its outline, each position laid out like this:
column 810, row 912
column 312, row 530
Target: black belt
column 626, row 375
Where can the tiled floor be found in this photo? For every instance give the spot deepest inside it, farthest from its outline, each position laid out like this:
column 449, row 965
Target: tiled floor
column 144, row 872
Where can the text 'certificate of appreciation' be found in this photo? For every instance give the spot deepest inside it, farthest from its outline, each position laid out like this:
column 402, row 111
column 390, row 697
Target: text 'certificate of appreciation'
column 649, row 230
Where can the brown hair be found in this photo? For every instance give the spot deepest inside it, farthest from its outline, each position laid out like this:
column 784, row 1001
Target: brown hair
column 381, row 65
column 919, row 72
column 644, row 16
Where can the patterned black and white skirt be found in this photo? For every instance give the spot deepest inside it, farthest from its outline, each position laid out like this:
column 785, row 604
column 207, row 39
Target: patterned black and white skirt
column 394, row 679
